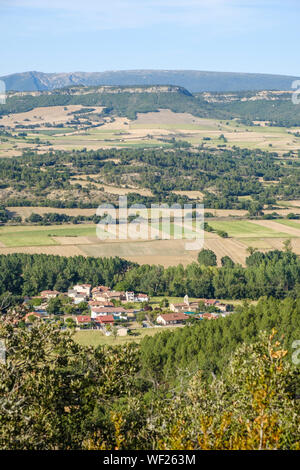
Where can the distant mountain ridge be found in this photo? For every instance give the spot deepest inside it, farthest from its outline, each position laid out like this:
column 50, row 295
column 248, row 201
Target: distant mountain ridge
column 192, row 80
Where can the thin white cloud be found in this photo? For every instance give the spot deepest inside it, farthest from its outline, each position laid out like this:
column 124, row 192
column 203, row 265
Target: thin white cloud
column 93, row 15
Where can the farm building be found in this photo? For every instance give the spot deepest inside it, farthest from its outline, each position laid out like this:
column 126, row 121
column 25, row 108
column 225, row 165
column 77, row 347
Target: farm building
column 83, row 289
column 83, row 319
column 178, row 307
column 49, row 294
column 98, row 303
column 105, row 320
column 79, row 298
column 103, row 311
column 171, row 318
column 109, row 295
column 129, row 296
column 141, row 298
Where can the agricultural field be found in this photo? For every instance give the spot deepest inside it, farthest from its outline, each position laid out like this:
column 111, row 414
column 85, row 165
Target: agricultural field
column 71, row 127
column 148, row 130
column 82, row 239
column 243, row 228
column 97, row 338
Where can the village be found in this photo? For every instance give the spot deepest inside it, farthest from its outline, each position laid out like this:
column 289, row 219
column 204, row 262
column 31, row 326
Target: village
column 117, row 313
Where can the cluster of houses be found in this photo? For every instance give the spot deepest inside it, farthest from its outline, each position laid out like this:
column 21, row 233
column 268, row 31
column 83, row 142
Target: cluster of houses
column 107, row 306
column 181, row 312
column 101, row 301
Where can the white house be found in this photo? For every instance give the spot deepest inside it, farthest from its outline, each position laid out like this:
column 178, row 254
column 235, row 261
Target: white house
column 83, row 289
column 129, row 296
column 141, row 298
column 171, row 318
column 103, row 311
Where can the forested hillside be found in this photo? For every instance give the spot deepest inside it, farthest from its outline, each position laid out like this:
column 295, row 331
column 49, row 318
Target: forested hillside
column 65, row 396
column 128, row 101
column 221, row 174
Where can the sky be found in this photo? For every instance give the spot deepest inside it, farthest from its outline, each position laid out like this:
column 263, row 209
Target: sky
column 259, row 36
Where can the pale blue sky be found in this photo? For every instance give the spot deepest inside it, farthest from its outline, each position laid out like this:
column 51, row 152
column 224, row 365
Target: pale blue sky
column 89, row 35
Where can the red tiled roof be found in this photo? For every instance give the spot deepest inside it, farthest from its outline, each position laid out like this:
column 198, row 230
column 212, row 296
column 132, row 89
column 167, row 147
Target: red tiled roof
column 99, row 303
column 174, row 316
column 108, row 310
column 83, row 319
column 113, row 293
column 105, row 319
column 45, row 292
column 210, row 301
column 101, row 289
column 208, row 316
column 33, row 313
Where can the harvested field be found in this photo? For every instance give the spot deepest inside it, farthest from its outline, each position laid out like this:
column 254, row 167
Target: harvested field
column 166, row 117
column 190, row 194
column 226, row 247
column 293, row 203
column 25, row 212
column 47, row 250
column 243, row 228
column 290, row 223
column 51, row 114
column 164, row 252
column 70, row 240
column 283, row 212
column 277, row 244
column 279, row 227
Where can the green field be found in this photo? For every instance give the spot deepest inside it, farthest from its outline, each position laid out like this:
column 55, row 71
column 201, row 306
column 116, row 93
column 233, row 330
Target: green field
column 42, row 236
column 96, row 337
column 177, row 300
column 290, row 223
column 146, row 133
column 243, row 228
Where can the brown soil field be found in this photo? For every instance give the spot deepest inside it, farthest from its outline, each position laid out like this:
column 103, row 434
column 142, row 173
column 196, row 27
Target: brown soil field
column 278, row 227
column 25, row 212
column 167, row 252
column 284, row 212
column 164, row 252
column 71, row 250
column 293, row 203
column 227, row 247
column 51, row 114
column 190, row 194
column 66, row 241
column 168, row 117
column 226, row 212
column 277, row 244
column 118, row 123
column 266, row 244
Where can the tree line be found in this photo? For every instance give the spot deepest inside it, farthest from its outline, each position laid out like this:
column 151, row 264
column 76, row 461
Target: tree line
column 276, row 273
